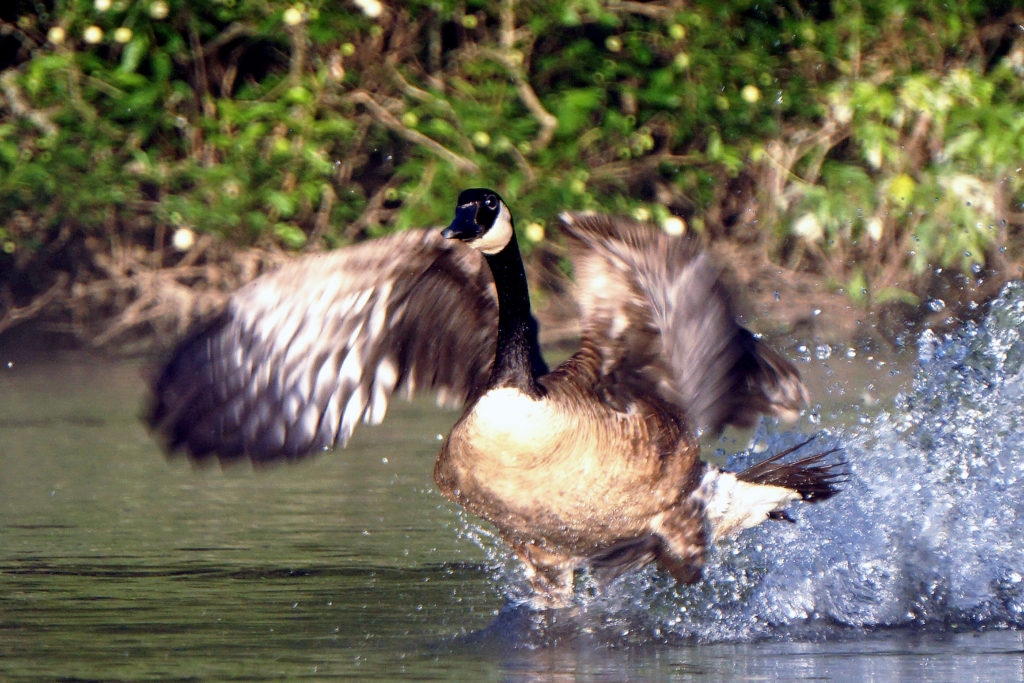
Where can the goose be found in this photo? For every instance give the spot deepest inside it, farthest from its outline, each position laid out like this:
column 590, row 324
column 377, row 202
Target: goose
column 594, row 464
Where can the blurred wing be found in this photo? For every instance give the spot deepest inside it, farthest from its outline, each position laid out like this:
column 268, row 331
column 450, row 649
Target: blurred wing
column 301, row 355
column 657, row 309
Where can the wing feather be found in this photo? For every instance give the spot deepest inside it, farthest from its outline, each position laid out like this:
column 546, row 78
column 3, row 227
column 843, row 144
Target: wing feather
column 300, row 356
column 656, row 307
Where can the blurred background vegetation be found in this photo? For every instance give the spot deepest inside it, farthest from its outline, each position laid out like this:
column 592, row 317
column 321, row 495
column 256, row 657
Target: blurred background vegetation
column 874, row 146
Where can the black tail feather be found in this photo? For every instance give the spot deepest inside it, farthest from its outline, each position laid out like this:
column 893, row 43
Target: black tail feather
column 810, row 478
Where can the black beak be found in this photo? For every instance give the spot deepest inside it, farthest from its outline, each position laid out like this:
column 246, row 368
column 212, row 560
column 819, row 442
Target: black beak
column 464, row 227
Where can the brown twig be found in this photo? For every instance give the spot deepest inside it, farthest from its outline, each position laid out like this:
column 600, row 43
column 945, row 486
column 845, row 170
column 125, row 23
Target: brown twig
column 653, row 10
column 547, row 121
column 12, row 314
column 423, row 186
column 323, row 216
column 412, row 91
column 384, row 116
column 232, row 31
column 622, row 169
column 368, row 215
column 20, row 107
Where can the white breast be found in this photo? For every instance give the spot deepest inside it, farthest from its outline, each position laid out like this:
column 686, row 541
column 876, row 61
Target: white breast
column 525, row 454
column 506, row 421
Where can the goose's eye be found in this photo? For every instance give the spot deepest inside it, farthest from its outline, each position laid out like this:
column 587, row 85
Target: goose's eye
column 491, row 202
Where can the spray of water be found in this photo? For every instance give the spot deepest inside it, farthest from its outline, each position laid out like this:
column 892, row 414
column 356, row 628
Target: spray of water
column 928, row 532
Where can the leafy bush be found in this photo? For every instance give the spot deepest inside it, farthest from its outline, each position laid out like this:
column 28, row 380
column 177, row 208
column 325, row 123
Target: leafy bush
column 870, row 141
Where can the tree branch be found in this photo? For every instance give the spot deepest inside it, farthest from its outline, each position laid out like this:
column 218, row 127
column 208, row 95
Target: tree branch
column 20, row 107
column 384, row 116
column 12, row 315
column 548, row 122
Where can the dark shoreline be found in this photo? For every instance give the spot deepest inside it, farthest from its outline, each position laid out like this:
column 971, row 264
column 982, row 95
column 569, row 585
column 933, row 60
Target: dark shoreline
column 788, row 307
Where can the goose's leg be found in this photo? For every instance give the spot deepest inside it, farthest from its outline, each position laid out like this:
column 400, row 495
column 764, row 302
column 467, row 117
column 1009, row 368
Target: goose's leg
column 683, row 541
column 625, row 556
column 550, row 575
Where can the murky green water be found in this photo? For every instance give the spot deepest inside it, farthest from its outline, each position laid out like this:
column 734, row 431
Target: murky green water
column 116, row 563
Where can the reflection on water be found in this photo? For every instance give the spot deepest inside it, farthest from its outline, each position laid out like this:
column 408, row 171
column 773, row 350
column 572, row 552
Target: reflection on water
column 117, row 563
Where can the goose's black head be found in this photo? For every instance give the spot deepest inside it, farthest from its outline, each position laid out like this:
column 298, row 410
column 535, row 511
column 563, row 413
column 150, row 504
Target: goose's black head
column 482, row 220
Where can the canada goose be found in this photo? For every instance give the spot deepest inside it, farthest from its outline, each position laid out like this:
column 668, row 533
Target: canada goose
column 595, row 463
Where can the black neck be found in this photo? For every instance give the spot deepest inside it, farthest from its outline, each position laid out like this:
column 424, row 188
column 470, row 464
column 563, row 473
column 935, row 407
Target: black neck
column 517, row 360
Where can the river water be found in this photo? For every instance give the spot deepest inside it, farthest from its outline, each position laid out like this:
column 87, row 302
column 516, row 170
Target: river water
column 118, row 563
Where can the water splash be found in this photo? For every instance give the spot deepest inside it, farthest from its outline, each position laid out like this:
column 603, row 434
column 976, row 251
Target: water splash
column 928, row 532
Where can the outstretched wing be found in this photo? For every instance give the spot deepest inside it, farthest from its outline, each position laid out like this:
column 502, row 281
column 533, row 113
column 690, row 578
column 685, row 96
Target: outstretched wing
column 299, row 356
column 655, row 306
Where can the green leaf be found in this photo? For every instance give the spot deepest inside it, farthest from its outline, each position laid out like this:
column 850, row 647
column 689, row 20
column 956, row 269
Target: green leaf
column 887, row 294
column 132, row 54
column 857, row 287
column 291, row 236
column 284, row 202
column 575, row 107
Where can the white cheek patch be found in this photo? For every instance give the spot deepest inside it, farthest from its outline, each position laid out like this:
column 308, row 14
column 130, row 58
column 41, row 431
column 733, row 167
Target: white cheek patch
column 495, row 239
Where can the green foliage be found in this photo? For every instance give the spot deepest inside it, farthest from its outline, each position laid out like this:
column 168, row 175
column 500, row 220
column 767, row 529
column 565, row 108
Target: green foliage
column 878, row 139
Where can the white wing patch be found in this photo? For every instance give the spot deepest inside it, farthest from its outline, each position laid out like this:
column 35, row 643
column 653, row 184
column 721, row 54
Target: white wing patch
column 352, row 413
column 360, row 316
column 732, row 505
column 351, row 369
column 383, row 384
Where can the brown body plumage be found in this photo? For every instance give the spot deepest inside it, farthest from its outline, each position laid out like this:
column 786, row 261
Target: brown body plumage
column 565, row 478
column 595, row 463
